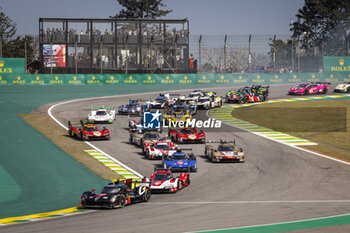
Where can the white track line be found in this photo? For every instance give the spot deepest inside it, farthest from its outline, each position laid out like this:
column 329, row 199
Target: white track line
column 294, row 146
column 271, row 224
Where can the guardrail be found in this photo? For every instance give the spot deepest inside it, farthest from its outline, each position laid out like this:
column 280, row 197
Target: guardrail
column 117, row 79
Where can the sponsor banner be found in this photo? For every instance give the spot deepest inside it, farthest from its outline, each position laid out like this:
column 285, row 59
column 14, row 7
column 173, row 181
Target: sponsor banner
column 134, row 79
column 12, row 66
column 336, row 64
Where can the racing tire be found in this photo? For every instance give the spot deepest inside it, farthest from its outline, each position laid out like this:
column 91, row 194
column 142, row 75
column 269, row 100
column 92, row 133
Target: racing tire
column 180, row 185
column 146, row 196
column 188, row 181
column 81, row 136
column 324, row 91
column 306, row 92
column 70, row 133
column 122, row 201
column 130, row 139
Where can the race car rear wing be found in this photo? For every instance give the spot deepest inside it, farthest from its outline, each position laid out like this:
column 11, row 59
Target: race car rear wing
column 222, row 142
column 102, row 107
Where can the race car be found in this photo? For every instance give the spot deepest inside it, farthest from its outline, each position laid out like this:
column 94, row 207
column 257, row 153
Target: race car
column 177, row 113
column 141, row 139
column 116, row 195
column 226, row 151
column 208, row 102
column 101, row 115
column 161, row 101
column 196, row 94
column 309, row 88
column 248, row 94
column 158, row 149
column 164, row 181
column 342, row 87
column 179, row 161
column 87, row 131
column 186, row 134
column 133, row 107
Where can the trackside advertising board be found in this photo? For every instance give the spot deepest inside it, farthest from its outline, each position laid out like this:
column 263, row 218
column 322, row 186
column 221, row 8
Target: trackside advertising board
column 12, row 66
column 336, row 64
column 168, row 79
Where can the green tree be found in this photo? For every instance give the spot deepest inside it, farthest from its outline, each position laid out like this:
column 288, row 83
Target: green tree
column 144, row 9
column 16, row 48
column 7, row 26
column 283, row 53
column 207, row 68
column 323, row 24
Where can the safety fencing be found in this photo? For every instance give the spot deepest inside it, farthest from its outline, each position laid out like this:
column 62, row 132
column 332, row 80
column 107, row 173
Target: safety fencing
column 117, row 79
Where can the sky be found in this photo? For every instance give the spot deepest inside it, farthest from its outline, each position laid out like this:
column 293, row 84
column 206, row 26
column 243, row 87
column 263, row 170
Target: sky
column 206, row 17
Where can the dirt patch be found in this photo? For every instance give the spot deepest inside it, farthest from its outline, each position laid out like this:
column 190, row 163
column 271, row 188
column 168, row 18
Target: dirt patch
column 73, row 147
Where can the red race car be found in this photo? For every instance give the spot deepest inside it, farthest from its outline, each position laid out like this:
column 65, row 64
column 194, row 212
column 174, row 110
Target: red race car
column 164, row 181
column 87, row 131
column 187, row 135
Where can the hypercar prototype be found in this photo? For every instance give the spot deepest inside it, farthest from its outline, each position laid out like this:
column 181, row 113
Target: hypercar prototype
column 116, row 195
column 141, row 139
column 133, row 107
column 180, row 161
column 208, row 102
column 157, row 149
column 309, row 88
column 87, row 131
column 248, row 94
column 177, row 113
column 162, row 101
column 164, row 181
column 342, row 87
column 101, row 115
column 226, row 151
column 187, row 134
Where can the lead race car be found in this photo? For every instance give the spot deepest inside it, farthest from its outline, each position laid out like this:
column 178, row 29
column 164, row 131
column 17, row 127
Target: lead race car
column 101, row 115
column 342, row 87
column 179, row 161
column 208, row 102
column 164, row 181
column 226, row 151
column 87, row 131
column 116, row 195
column 309, row 88
column 247, row 94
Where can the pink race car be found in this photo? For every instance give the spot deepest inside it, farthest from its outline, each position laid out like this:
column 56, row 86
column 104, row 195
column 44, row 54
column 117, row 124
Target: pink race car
column 309, row 88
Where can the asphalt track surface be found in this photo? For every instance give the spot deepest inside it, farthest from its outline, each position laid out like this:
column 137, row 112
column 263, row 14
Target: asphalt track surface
column 277, row 183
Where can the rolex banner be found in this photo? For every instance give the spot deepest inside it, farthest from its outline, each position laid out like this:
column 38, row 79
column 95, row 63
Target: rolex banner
column 12, row 66
column 336, row 64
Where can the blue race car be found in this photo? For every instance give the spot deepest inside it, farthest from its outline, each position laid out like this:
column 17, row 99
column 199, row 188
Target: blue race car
column 179, row 161
column 133, row 107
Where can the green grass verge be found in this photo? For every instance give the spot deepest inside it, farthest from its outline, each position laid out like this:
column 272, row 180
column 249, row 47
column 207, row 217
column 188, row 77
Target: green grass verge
column 324, row 122
column 73, row 147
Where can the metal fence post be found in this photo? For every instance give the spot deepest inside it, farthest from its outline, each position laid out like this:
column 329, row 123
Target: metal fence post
column 200, row 53
column 249, row 55
column 225, row 53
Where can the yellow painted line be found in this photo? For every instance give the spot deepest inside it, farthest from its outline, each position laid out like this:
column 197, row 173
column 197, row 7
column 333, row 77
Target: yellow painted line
column 12, row 220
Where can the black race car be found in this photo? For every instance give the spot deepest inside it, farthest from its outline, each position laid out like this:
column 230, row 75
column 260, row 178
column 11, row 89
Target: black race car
column 116, row 195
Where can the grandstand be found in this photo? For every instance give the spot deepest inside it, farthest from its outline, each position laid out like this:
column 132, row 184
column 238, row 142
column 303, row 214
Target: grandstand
column 102, row 46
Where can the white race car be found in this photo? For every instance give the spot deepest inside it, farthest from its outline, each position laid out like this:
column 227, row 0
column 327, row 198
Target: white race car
column 208, row 102
column 160, row 148
column 342, row 87
column 101, row 115
column 195, row 95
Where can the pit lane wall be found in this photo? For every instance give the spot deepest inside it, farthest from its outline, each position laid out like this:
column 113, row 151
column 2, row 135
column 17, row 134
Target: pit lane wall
column 117, row 79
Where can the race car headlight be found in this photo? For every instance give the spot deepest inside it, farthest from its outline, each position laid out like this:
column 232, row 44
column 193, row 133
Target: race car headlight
column 113, row 199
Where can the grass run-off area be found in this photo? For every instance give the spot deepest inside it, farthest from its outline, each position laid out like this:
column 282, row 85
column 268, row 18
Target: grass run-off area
column 324, row 122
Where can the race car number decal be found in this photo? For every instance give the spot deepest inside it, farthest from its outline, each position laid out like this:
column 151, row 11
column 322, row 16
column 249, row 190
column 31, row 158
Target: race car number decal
column 142, row 190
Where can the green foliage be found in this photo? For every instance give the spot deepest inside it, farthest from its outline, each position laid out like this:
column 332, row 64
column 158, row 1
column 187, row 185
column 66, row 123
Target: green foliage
column 7, row 26
column 207, row 68
column 145, row 9
column 16, row 48
column 323, row 23
column 283, row 52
